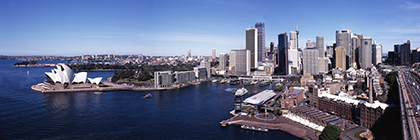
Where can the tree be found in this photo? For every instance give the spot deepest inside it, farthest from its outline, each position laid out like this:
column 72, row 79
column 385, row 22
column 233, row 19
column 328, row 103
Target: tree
column 330, row 132
column 248, row 110
column 278, row 88
column 278, row 112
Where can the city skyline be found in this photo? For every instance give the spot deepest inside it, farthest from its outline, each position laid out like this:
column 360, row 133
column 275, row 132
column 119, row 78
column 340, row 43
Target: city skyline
column 165, row 28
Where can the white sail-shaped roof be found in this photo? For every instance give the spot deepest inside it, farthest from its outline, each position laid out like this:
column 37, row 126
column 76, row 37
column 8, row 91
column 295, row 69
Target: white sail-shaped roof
column 95, row 80
column 80, row 77
column 64, row 74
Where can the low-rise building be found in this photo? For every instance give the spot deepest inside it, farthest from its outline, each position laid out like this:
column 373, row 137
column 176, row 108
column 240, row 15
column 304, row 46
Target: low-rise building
column 291, row 99
column 364, row 113
column 305, row 78
column 258, row 99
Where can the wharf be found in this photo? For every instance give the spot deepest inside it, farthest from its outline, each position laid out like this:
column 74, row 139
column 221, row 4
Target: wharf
column 276, row 123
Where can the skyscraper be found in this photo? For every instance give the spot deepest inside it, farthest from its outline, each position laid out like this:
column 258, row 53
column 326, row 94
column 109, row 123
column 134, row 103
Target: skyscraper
column 242, row 61
column 189, row 53
column 343, row 39
column 206, row 64
column 310, row 61
column 271, row 53
column 310, row 44
column 213, row 53
column 355, row 48
column 282, row 54
column 330, row 51
column 340, row 58
column 232, row 60
column 358, row 49
column 293, row 54
column 377, row 53
column 261, row 41
column 252, row 45
column 320, row 45
column 293, row 40
column 323, row 64
column 222, row 61
column 402, row 53
column 366, row 53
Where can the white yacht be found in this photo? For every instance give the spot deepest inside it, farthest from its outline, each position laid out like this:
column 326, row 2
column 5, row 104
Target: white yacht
column 241, row 91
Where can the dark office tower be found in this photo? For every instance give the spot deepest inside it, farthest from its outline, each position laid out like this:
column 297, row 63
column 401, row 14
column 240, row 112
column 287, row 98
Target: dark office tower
column 357, row 50
column 270, row 54
column 261, row 41
column 282, row 55
column 391, row 58
column 366, row 53
column 252, row 45
column 330, row 51
column 320, row 46
column 343, row 38
column 415, row 55
column 402, row 53
column 334, row 56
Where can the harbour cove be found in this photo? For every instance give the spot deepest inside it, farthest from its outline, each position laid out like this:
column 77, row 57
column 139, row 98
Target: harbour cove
column 192, row 112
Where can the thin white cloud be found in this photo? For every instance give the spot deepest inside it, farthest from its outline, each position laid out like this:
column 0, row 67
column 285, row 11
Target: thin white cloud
column 410, row 5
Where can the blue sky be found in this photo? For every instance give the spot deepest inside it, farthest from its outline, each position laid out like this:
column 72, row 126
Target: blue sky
column 160, row 27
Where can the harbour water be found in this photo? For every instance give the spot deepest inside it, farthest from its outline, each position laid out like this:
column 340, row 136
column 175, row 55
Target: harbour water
column 189, row 113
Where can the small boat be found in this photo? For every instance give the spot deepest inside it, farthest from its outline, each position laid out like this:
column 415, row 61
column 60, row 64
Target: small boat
column 148, row 95
column 97, row 92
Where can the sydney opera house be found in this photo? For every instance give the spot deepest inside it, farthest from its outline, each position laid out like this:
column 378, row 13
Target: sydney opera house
column 64, row 75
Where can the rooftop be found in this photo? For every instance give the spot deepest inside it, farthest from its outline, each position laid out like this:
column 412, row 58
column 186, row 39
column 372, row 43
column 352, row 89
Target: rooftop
column 260, row 98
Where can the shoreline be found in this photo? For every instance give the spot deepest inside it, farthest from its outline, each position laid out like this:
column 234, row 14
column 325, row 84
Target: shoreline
column 88, row 87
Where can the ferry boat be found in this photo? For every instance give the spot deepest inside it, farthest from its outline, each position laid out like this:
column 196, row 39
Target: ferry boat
column 241, row 92
column 262, row 129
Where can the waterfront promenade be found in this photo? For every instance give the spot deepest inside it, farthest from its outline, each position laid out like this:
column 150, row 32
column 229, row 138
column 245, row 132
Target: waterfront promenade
column 87, row 87
column 273, row 123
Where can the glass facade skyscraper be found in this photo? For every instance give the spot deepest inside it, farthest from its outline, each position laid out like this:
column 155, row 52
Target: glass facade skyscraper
column 343, row 39
column 252, row 45
column 261, row 52
column 282, row 55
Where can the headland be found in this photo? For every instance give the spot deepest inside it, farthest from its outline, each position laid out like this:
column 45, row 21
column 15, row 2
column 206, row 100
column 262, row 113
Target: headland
column 89, row 87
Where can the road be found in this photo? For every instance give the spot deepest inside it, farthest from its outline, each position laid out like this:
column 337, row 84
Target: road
column 349, row 134
column 409, row 98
